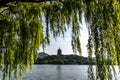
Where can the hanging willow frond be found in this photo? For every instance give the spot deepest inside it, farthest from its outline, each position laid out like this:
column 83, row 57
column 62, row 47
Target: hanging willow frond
column 22, row 30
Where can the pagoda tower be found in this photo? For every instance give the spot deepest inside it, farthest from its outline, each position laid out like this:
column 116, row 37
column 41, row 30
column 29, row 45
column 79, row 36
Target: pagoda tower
column 59, row 52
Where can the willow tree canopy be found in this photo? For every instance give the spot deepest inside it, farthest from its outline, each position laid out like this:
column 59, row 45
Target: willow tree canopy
column 26, row 24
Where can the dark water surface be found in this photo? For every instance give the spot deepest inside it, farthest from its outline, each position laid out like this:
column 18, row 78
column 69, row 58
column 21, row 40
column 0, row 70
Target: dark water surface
column 58, row 72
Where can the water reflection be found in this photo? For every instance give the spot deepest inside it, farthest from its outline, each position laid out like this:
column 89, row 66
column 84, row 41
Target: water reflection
column 51, row 72
column 59, row 72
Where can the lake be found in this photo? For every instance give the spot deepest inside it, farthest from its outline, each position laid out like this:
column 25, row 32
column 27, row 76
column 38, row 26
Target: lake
column 58, row 72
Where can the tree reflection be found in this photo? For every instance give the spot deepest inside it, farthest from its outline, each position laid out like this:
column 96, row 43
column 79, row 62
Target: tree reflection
column 59, row 72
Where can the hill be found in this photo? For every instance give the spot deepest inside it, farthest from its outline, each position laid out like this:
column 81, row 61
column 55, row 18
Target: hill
column 42, row 55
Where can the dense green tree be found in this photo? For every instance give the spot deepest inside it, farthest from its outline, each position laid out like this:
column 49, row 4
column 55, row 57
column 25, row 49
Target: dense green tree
column 26, row 24
column 64, row 59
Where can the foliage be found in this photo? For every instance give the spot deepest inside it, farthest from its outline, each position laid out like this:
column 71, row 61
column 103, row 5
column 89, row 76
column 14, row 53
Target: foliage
column 104, row 26
column 26, row 26
column 63, row 59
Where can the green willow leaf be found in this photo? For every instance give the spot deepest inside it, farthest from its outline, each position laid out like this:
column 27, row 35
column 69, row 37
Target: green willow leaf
column 27, row 26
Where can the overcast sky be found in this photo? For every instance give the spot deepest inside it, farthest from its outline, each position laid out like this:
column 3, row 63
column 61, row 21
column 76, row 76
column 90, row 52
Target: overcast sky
column 65, row 43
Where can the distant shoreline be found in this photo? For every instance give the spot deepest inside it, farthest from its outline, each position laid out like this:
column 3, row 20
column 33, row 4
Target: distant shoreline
column 63, row 60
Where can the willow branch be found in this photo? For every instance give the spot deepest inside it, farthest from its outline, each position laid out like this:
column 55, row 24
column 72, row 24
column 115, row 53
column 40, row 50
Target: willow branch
column 4, row 3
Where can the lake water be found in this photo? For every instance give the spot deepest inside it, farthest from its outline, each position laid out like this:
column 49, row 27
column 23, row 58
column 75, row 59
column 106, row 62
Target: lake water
column 58, row 72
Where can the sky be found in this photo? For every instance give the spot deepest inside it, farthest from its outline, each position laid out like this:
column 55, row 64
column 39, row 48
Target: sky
column 65, row 43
